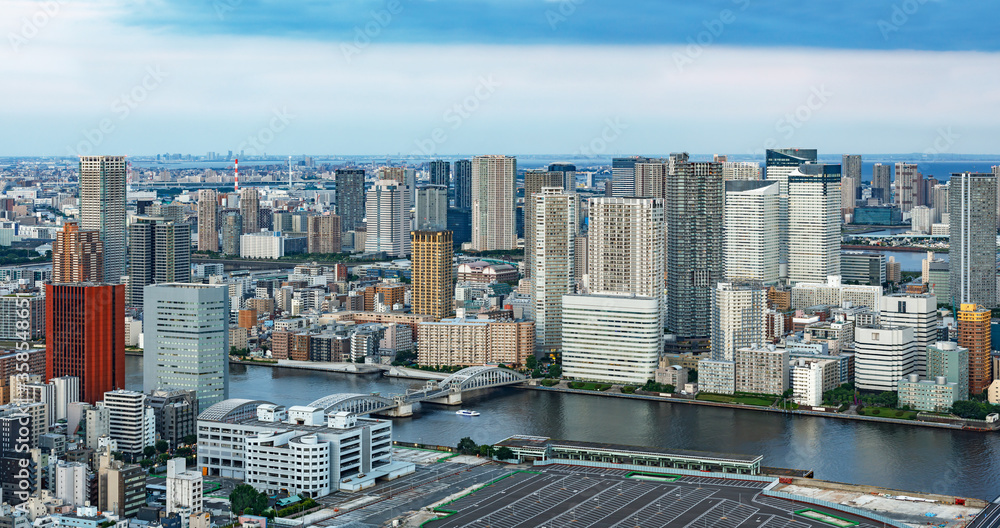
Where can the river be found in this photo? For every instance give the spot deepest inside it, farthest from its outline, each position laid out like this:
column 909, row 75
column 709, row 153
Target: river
column 899, row 457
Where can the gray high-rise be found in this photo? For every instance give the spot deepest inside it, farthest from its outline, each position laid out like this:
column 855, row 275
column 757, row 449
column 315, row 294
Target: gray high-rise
column 350, row 198
column 102, row 208
column 695, row 194
column 778, row 164
column 569, row 174
column 232, row 229
column 534, row 182
column 160, row 252
column 440, row 172
column 623, row 175
column 250, row 209
column 882, row 182
column 463, row 184
column 973, row 210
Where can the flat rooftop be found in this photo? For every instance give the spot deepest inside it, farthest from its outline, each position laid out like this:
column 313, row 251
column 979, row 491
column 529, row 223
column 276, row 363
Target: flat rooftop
column 534, row 442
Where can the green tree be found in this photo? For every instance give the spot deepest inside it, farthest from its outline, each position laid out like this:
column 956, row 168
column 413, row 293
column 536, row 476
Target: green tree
column 486, row 450
column 162, row 446
column 531, row 362
column 149, row 451
column 504, row 453
column 555, row 371
column 190, row 439
column 467, row 446
column 245, row 499
column 163, row 458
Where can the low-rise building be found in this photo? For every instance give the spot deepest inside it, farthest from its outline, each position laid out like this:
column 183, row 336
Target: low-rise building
column 717, row 376
column 486, row 272
column 937, row 395
column 184, row 488
column 469, row 342
column 761, row 370
column 810, row 378
column 883, row 356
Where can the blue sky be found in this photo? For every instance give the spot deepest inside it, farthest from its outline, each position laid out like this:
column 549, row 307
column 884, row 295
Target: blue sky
column 595, row 77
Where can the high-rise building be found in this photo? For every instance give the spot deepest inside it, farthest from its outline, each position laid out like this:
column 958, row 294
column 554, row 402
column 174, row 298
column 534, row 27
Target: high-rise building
column 750, row 221
column 208, row 220
column 946, row 358
column 432, row 207
column 813, row 222
column 77, row 255
column 882, row 182
column 626, row 241
column 102, row 208
column 350, row 198
column 972, row 226
column 909, row 186
column 779, row 163
column 324, row 234
column 848, row 194
column 493, row 190
column 432, row 277
column 440, row 172
column 939, row 196
column 883, row 355
column 85, row 336
column 187, row 340
column 737, row 319
column 695, row 194
column 568, row 171
column 554, row 227
column 388, row 219
column 132, row 424
column 995, row 170
column 974, row 335
column 623, row 175
column 463, row 184
column 651, row 178
column 249, row 209
column 740, row 170
column 851, row 166
column 919, row 312
column 614, row 338
column 534, row 181
column 232, row 230
column 160, row 252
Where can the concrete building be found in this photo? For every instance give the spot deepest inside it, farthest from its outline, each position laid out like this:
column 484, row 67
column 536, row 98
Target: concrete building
column 208, row 220
column 737, row 319
column 432, row 277
column 132, row 424
column 486, row 272
column 909, row 186
column 553, row 249
column 813, row 222
column 716, row 376
column 13, row 308
column 71, row 483
column 882, row 182
column 934, row 395
column 808, row 379
column 921, row 219
column 250, row 209
column 493, row 191
column 324, row 234
column 248, row 440
column 534, row 182
column 232, row 231
column 159, row 252
column 917, row 311
column 778, row 164
column 121, row 487
column 263, row 245
column 883, row 356
column 350, row 197
column 972, row 255
column 388, row 219
column 463, row 184
column 863, row 267
column 834, row 293
column 187, row 340
column 174, row 412
column 947, row 359
column 761, row 370
column 431, row 207
column 102, row 208
column 77, row 255
column 615, row 338
column 184, row 488
column 470, row 342
column 740, row 170
column 974, row 335
column 751, row 231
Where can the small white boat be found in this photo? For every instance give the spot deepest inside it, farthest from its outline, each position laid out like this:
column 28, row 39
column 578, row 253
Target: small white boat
column 464, row 412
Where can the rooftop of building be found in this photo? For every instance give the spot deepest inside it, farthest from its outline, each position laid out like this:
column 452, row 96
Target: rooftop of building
column 539, row 442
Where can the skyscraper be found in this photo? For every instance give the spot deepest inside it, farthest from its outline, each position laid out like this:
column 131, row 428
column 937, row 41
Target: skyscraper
column 813, row 222
column 324, row 234
column 160, row 253
column 493, row 190
column 651, row 178
column 917, row 311
column 623, row 175
column 77, row 255
column 463, row 184
column 534, row 182
column 695, row 194
column 972, row 208
column 232, row 229
column 627, row 240
column 187, row 340
column 102, row 207
column 440, row 173
column 568, row 171
column 779, row 163
column 250, row 209
column 848, row 194
column 851, row 166
column 85, row 336
column 750, row 220
column 882, row 182
column 909, row 186
column 738, row 319
column 554, row 225
column 433, row 284
column 432, row 207
column 740, row 170
column 208, row 220
column 974, row 335
column 350, row 198
column 388, row 220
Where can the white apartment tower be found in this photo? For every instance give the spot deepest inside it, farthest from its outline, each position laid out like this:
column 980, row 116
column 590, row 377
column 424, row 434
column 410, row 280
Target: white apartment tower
column 187, row 340
column 779, row 163
column 813, row 222
column 554, row 238
column 738, row 319
column 919, row 312
column 750, row 219
column 493, row 190
column 627, row 241
column 388, row 219
column 102, row 207
column 132, row 424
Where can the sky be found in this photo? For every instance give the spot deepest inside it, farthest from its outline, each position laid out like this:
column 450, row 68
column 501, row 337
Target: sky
column 445, row 77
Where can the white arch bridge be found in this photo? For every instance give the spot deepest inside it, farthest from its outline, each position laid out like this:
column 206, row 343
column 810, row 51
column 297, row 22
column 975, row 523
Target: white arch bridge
column 447, row 391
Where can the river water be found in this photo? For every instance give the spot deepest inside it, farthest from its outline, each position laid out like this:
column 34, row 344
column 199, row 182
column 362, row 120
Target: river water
column 900, row 457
